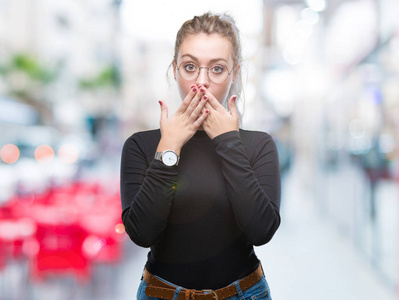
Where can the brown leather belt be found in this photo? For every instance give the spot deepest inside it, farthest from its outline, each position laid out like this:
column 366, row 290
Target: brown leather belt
column 159, row 289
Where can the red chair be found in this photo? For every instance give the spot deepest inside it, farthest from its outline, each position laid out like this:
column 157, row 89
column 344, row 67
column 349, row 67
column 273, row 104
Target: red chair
column 60, row 246
column 75, row 225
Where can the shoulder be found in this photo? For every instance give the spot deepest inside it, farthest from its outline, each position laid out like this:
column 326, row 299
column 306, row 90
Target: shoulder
column 144, row 136
column 144, row 139
column 252, row 137
column 257, row 144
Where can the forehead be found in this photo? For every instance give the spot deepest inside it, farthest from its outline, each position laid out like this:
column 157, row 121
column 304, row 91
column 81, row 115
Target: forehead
column 206, row 47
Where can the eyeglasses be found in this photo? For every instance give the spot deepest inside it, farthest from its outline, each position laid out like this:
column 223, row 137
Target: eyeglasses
column 217, row 73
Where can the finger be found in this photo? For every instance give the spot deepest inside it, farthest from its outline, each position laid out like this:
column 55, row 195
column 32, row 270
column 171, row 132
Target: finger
column 208, row 106
column 195, row 101
column 164, row 110
column 202, row 118
column 200, row 108
column 233, row 106
column 187, row 100
column 213, row 102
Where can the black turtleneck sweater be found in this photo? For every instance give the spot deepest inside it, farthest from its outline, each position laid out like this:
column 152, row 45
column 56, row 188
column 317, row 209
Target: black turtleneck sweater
column 202, row 217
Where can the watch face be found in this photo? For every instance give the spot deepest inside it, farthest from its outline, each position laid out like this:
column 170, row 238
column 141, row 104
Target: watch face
column 169, row 158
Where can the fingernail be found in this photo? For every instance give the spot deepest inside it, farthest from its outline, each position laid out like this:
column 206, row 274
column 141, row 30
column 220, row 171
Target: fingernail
column 234, row 98
column 160, row 102
column 193, row 86
column 207, row 111
column 202, row 90
column 194, row 89
column 205, row 97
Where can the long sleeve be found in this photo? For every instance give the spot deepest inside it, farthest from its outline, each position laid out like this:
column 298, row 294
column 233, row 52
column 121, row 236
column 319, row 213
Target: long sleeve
column 253, row 188
column 147, row 189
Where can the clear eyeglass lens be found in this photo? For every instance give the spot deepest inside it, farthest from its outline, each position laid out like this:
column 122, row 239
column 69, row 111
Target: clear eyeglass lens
column 216, row 73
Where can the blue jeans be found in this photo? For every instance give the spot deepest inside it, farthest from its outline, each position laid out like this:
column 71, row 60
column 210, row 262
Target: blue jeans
column 259, row 290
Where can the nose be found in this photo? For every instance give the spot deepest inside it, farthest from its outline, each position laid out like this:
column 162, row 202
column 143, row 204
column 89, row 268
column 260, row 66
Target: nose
column 203, row 78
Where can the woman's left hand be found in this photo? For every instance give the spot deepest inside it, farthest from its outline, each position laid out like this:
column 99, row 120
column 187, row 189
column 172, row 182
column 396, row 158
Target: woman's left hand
column 220, row 120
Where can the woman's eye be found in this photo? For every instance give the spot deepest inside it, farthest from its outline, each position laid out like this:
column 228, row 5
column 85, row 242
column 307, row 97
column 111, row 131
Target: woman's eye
column 190, row 67
column 217, row 69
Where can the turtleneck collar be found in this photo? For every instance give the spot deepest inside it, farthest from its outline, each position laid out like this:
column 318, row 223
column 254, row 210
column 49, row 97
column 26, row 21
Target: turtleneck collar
column 200, row 135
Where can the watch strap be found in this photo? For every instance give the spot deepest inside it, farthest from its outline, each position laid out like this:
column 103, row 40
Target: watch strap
column 158, row 156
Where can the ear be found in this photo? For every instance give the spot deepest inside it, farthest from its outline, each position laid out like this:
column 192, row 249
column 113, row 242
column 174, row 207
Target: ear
column 174, row 68
column 236, row 72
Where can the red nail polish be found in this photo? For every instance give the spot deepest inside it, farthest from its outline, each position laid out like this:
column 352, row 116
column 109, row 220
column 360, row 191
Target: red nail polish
column 160, row 102
column 207, row 111
column 234, row 98
column 194, row 89
column 202, row 90
column 205, row 97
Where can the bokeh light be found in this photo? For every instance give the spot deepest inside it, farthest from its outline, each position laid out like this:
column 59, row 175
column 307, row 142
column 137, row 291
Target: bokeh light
column 120, row 228
column 92, row 245
column 44, row 154
column 68, row 153
column 9, row 153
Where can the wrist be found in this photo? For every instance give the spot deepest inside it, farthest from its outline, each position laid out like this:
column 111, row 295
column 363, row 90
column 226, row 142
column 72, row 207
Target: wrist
column 168, row 145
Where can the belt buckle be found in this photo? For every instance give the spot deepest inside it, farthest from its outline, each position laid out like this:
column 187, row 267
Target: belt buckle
column 213, row 292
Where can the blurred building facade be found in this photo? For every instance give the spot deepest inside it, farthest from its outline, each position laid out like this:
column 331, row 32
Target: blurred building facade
column 59, row 84
column 76, row 41
column 330, row 69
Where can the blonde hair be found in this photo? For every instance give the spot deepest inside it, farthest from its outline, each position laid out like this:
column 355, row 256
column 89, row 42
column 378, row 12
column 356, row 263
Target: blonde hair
column 222, row 24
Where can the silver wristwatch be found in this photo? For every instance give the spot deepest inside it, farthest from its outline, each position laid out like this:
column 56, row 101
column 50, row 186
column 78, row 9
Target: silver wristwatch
column 168, row 157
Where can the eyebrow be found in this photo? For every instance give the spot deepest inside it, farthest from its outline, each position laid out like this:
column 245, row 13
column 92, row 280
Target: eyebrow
column 211, row 61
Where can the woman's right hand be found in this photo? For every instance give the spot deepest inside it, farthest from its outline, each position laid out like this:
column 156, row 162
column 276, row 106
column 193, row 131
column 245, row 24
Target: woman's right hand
column 178, row 129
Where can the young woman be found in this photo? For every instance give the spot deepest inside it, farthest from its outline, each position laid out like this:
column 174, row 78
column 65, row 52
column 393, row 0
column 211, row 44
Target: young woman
column 200, row 191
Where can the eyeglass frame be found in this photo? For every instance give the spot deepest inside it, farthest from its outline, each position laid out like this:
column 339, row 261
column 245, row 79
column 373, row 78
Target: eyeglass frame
column 207, row 73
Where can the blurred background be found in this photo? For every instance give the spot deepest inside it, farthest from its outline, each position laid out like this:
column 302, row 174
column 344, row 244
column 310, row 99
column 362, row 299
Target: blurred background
column 78, row 77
